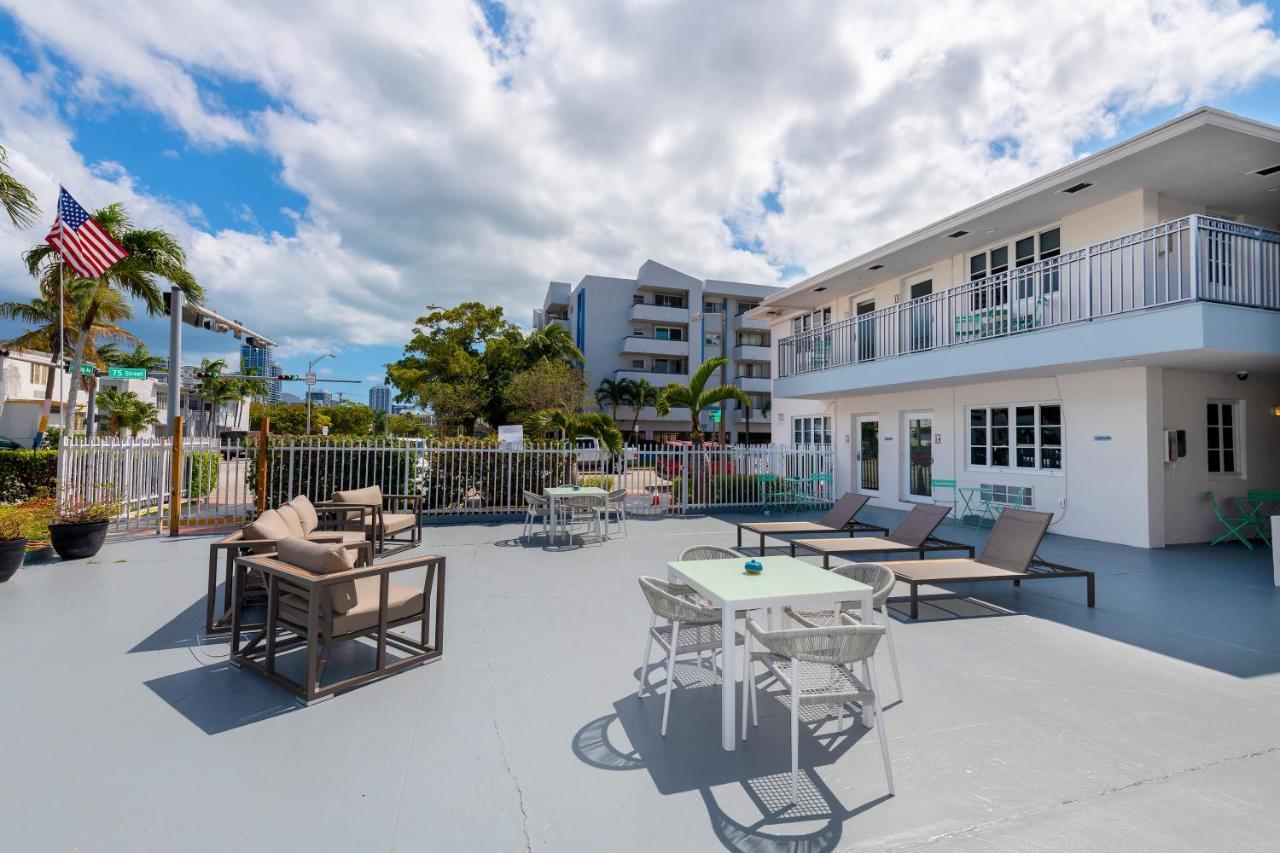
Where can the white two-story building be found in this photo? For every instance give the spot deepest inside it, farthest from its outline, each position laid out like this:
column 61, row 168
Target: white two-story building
column 1102, row 342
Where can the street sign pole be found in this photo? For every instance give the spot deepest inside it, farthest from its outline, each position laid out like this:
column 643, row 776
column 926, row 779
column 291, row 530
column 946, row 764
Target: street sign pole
column 175, row 357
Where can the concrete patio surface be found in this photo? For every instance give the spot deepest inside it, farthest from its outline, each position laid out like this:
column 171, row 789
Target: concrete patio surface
column 1029, row 721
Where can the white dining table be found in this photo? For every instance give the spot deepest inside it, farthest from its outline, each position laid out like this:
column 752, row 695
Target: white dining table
column 784, row 582
column 555, row 493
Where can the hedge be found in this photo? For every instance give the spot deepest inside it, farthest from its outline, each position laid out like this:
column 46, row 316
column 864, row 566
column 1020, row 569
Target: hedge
column 201, row 475
column 26, row 473
column 721, row 489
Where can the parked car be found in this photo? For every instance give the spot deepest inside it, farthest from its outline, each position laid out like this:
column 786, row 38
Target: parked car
column 669, row 458
column 590, row 453
column 7, row 443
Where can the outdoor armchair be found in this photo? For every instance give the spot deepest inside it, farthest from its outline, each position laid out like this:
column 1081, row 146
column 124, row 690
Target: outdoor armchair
column 297, row 518
column 393, row 523
column 317, row 597
column 536, row 508
column 813, row 665
column 840, row 519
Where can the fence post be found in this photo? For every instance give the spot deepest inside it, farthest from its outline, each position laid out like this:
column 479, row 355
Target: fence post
column 175, row 476
column 263, row 432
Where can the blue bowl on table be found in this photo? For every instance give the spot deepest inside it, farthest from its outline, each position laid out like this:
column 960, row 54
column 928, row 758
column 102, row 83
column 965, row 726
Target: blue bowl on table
column 753, row 567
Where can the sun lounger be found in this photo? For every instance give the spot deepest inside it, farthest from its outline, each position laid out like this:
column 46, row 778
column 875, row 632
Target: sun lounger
column 1008, row 555
column 913, row 534
column 840, row 519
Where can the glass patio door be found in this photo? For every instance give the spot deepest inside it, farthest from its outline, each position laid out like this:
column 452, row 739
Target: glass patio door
column 919, row 456
column 867, row 454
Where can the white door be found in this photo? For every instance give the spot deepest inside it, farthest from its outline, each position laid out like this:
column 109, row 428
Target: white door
column 917, row 456
column 866, row 454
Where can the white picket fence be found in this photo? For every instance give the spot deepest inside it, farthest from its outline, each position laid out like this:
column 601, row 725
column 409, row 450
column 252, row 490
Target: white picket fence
column 221, row 479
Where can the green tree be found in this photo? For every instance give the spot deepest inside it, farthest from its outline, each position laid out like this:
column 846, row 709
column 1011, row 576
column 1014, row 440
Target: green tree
column 215, row 390
column 545, row 385
column 155, row 256
column 613, row 393
column 406, row 425
column 696, row 396
column 570, row 425
column 350, row 419
column 126, row 412
column 139, row 357
column 18, row 201
column 641, row 394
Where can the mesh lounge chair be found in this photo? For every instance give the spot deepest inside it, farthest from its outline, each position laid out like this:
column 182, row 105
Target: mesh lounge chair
column 840, row 519
column 388, row 520
column 814, row 665
column 299, row 517
column 1009, row 554
column 317, row 595
column 913, row 533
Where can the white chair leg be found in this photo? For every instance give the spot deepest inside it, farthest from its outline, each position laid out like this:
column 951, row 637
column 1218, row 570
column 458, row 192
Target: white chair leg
column 795, row 729
column 893, row 653
column 746, row 681
column 839, row 718
column 648, row 648
column 671, row 671
column 884, row 738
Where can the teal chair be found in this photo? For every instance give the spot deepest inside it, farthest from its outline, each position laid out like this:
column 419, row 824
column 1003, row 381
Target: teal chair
column 775, row 493
column 935, row 485
column 1234, row 523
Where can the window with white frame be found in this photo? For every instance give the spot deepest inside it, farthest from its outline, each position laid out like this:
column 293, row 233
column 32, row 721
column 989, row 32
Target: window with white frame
column 814, row 320
column 668, row 333
column 39, row 374
column 1025, row 437
column 1222, row 420
column 811, row 430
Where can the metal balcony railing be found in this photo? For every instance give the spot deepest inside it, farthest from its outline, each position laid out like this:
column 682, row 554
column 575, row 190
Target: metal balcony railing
column 1184, row 260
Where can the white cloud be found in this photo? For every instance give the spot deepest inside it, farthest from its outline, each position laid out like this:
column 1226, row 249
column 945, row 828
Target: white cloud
column 441, row 164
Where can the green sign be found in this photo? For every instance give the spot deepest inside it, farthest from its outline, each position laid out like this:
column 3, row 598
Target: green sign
column 715, row 416
column 127, row 372
column 85, row 369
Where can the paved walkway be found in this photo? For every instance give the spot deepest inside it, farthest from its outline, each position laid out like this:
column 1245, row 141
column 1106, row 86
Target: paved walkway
column 1029, row 723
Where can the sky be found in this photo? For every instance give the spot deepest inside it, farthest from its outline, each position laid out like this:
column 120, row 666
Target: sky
column 333, row 168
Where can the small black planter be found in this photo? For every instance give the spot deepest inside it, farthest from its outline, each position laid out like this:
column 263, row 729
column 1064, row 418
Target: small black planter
column 74, row 541
column 12, row 552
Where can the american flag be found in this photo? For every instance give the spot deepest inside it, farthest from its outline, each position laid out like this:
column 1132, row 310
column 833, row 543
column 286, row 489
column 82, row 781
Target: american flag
column 88, row 249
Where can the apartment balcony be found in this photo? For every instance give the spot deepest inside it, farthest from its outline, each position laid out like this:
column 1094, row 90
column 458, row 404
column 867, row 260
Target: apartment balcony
column 747, row 352
column 754, row 384
column 653, row 377
column 743, row 323
column 637, row 345
column 1157, row 296
column 657, row 314
column 648, row 414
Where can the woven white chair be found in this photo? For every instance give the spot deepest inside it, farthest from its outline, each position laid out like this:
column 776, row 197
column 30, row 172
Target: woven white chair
column 537, row 507
column 693, row 627
column 881, row 580
column 584, row 509
column 615, row 507
column 813, row 664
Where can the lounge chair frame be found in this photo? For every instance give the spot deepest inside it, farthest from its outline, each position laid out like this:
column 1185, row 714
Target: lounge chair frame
column 928, row 546
column 927, row 542
column 1038, row 570
column 852, row 527
column 259, row 654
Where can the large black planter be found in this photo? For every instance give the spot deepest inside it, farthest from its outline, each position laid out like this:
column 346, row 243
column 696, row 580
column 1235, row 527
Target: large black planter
column 74, row 541
column 12, row 553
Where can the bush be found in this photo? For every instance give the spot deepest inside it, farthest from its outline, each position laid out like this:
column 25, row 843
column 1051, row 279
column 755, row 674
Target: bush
column 32, row 518
column 603, row 481
column 721, row 489
column 27, row 473
column 201, row 476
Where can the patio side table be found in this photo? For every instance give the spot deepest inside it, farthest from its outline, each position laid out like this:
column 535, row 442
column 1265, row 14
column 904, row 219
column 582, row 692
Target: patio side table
column 785, row 582
column 555, row 493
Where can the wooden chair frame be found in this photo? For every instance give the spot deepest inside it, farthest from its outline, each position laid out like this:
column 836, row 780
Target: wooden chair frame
column 259, row 654
column 386, row 545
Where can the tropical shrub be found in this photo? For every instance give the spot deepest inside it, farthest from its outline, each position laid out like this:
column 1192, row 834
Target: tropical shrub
column 201, row 474
column 27, row 473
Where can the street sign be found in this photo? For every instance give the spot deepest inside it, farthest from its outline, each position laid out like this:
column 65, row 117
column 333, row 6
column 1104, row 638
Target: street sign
column 126, row 373
column 715, row 416
column 85, row 369
column 310, row 379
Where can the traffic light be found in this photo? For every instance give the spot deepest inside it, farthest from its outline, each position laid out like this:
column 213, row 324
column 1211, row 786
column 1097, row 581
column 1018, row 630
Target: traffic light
column 289, row 377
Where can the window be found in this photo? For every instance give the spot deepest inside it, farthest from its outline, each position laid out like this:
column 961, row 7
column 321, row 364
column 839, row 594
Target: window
column 668, row 333
column 1032, row 442
column 637, row 299
column 811, row 430
column 637, row 364
column 711, row 308
column 39, row 374
column 668, row 300
column 814, row 320
column 744, row 307
column 639, row 333
column 1223, row 440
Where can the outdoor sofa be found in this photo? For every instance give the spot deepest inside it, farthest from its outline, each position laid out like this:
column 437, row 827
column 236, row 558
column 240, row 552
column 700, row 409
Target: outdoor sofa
column 913, row 534
column 317, row 597
column 392, row 522
column 1008, row 555
column 840, row 519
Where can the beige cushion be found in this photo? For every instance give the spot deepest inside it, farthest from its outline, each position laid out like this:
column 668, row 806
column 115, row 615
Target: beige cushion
column 344, row 536
column 393, row 522
column 290, row 516
column 368, row 495
column 306, row 513
column 402, row 602
column 268, row 525
column 322, row 558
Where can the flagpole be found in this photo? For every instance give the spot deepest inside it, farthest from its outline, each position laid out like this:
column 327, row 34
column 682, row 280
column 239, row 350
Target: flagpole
column 62, row 339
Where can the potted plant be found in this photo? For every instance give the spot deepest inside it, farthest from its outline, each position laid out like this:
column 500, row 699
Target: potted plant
column 13, row 548
column 80, row 527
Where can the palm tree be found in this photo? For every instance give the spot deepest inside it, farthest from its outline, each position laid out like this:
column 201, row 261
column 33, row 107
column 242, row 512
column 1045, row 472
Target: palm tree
column 641, row 394
column 696, row 397
column 245, row 389
column 18, row 201
column 140, row 357
column 553, row 342
column 125, row 411
column 215, row 390
column 569, row 425
column 154, row 256
column 613, row 393
column 48, row 335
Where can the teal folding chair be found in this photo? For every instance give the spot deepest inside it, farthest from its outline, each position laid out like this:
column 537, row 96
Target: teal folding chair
column 935, row 485
column 1234, row 523
column 775, row 494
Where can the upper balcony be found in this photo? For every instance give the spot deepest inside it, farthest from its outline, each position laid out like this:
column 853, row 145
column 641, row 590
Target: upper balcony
column 743, row 323
column 639, row 345
column 643, row 312
column 653, row 377
column 1048, row 313
column 746, row 352
column 754, row 384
